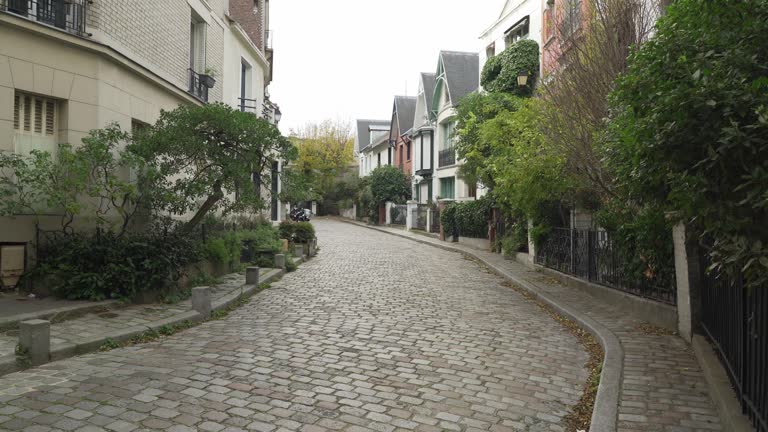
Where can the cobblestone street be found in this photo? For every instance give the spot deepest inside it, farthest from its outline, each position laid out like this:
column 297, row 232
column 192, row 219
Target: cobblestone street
column 376, row 333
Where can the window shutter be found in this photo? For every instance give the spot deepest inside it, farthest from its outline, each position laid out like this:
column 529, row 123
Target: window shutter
column 16, row 111
column 38, row 116
column 27, row 113
column 50, row 112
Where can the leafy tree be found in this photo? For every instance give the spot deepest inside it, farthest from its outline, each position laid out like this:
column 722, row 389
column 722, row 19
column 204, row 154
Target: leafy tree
column 389, row 183
column 500, row 72
column 689, row 127
column 212, row 154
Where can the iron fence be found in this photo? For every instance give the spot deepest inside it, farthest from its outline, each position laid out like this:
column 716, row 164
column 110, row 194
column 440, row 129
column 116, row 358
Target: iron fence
column 68, row 15
column 735, row 320
column 593, row 256
column 435, row 222
column 419, row 217
column 399, row 214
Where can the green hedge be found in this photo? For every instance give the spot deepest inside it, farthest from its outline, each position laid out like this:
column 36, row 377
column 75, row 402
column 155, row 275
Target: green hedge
column 470, row 218
column 297, row 232
column 500, row 72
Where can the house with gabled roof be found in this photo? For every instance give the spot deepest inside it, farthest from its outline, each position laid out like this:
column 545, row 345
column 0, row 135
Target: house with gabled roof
column 372, row 145
column 399, row 132
column 422, row 140
column 458, row 74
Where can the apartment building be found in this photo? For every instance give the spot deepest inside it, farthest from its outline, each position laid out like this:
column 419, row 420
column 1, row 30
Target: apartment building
column 70, row 66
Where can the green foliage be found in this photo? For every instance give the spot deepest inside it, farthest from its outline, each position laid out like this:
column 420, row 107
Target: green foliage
column 448, row 220
column 23, row 358
column 516, row 239
column 500, row 72
column 109, row 345
column 104, row 265
column 471, row 217
column 226, row 247
column 286, row 230
column 290, row 265
column 689, row 127
column 208, row 154
column 92, row 181
column 472, row 112
column 297, row 187
column 304, row 232
column 389, row 183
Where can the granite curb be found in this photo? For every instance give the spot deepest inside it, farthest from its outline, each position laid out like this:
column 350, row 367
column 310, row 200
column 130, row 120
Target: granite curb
column 8, row 362
column 605, row 411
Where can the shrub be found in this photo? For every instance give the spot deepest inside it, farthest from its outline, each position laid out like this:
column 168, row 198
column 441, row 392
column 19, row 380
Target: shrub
column 226, row 247
column 286, row 230
column 500, row 72
column 107, row 266
column 304, row 232
column 469, row 218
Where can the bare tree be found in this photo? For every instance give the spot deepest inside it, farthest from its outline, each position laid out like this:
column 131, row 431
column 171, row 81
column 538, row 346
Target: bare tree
column 593, row 39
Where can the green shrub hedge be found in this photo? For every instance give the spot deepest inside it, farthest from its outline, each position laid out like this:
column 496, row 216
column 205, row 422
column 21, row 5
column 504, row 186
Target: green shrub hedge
column 470, row 218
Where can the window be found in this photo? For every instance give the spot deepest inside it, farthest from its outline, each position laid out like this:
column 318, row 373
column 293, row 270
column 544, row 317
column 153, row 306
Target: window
column 448, row 134
column 571, row 16
column 255, row 7
column 34, row 115
column 379, row 155
column 401, row 160
column 448, row 188
column 517, row 32
column 197, row 44
column 490, row 51
column 408, row 150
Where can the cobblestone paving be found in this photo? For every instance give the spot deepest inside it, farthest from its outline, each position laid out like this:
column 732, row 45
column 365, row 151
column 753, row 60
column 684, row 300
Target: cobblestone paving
column 375, row 334
column 97, row 324
column 663, row 388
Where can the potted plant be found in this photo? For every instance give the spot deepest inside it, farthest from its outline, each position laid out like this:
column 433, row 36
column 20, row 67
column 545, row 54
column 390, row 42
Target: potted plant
column 208, row 79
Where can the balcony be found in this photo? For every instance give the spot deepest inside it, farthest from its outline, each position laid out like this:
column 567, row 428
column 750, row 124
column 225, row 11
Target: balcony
column 199, row 85
column 446, row 157
column 67, row 15
column 249, row 106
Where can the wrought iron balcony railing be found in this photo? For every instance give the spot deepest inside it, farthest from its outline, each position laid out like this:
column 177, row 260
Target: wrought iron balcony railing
column 67, row 15
column 446, row 157
column 197, row 85
column 249, row 106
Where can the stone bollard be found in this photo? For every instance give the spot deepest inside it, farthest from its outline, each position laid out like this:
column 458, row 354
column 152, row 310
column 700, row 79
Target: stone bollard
column 201, row 301
column 35, row 339
column 252, row 276
column 312, row 248
column 280, row 261
column 298, row 250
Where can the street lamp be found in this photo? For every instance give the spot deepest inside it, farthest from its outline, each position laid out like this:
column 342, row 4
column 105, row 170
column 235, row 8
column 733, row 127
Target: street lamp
column 278, row 115
column 522, row 78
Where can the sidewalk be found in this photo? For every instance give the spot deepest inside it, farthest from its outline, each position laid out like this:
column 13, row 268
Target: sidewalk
column 660, row 385
column 88, row 332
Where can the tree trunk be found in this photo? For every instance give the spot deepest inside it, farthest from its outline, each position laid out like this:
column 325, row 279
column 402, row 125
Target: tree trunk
column 205, row 208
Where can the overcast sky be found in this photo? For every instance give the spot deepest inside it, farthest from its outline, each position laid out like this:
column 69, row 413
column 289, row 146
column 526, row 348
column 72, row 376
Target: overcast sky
column 347, row 59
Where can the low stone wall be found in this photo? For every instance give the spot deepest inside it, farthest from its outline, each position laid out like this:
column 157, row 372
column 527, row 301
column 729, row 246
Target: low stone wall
column 482, row 244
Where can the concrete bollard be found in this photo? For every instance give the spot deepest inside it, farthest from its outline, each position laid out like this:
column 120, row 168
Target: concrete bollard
column 298, row 250
column 252, row 276
column 201, row 301
column 35, row 338
column 312, row 248
column 280, row 261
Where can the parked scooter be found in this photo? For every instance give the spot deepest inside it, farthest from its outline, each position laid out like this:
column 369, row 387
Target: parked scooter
column 300, row 215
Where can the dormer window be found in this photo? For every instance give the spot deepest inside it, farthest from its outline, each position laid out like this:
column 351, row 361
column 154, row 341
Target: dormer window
column 517, row 32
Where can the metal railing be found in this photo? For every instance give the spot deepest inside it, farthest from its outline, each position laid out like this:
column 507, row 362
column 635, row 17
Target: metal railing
column 594, row 256
column 435, row 225
column 249, row 105
column 399, row 214
column 68, row 15
column 197, row 87
column 735, row 320
column 419, row 217
column 446, row 157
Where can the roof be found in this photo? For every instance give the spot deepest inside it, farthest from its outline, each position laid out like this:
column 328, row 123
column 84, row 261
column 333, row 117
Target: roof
column 462, row 73
column 364, row 126
column 405, row 110
column 428, row 83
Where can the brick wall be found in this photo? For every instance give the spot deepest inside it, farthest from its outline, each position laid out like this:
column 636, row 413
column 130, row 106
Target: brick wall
column 155, row 33
column 253, row 23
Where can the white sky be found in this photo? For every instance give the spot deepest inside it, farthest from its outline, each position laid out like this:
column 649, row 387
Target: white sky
column 347, row 59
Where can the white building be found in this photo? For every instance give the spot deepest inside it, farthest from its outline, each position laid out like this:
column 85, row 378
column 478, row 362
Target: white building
column 457, row 76
column 519, row 19
column 372, row 145
column 422, row 137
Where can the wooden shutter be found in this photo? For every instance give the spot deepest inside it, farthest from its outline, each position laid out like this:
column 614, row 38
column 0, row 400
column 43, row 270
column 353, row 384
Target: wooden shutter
column 16, row 111
column 50, row 116
column 38, row 116
column 27, row 113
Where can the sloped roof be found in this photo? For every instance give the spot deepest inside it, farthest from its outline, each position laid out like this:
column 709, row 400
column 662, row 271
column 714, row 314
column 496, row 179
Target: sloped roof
column 363, row 137
column 405, row 109
column 428, row 83
column 462, row 73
